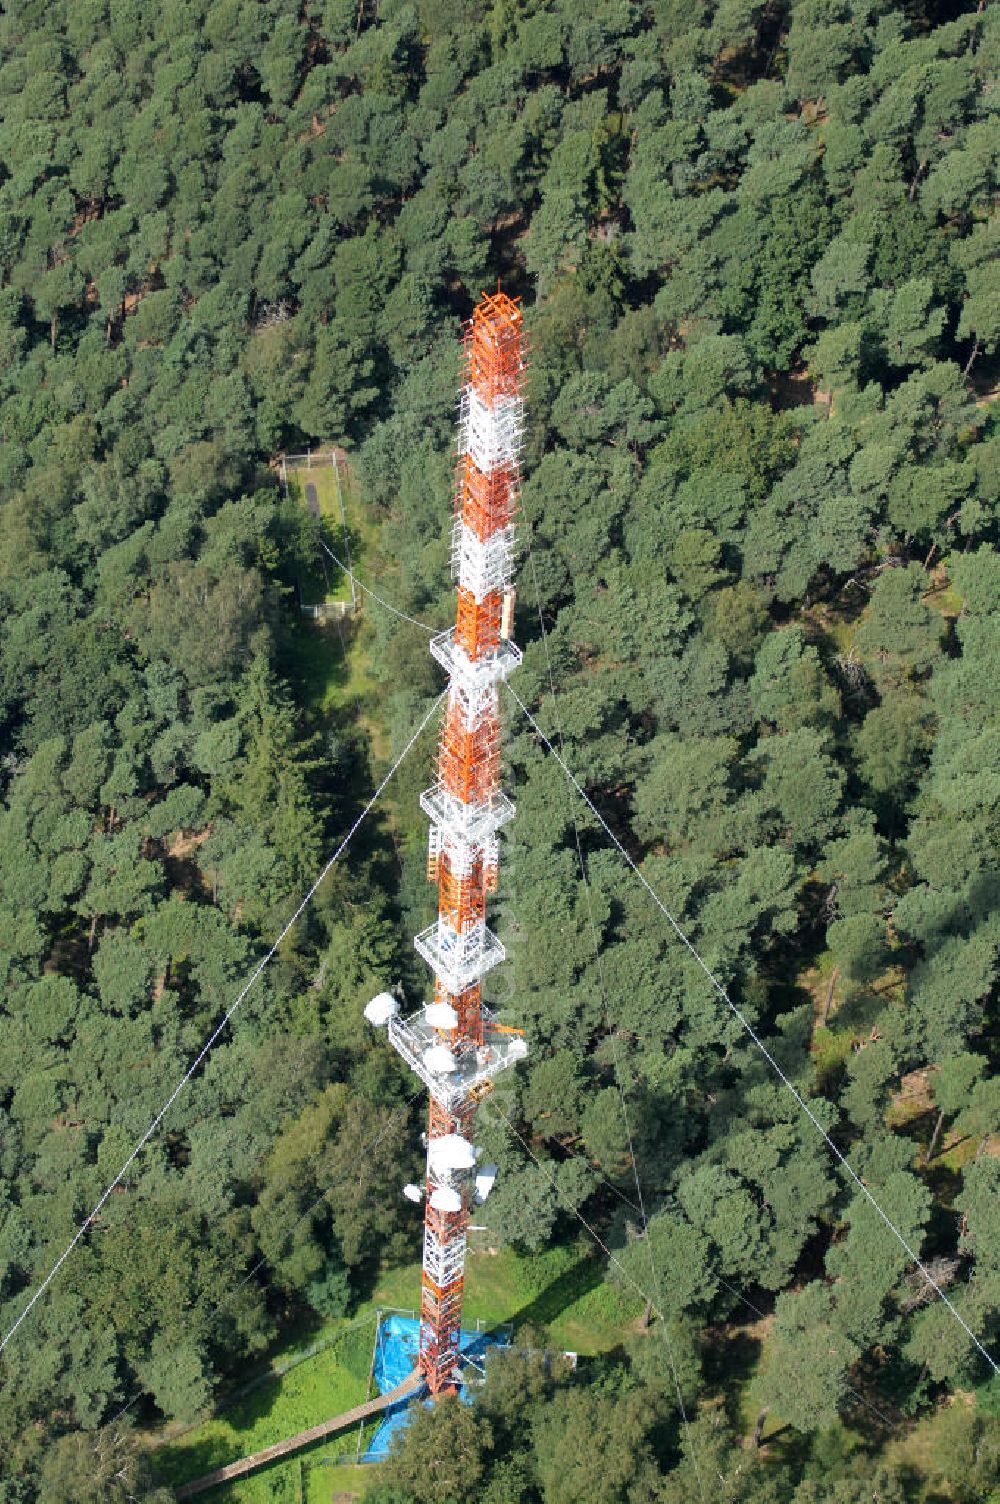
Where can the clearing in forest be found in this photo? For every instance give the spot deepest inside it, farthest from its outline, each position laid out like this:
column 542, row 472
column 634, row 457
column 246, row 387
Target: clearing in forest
column 330, row 663
column 319, row 482
column 559, row 1291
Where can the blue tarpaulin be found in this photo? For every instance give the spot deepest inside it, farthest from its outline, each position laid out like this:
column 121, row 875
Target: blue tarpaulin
column 397, row 1344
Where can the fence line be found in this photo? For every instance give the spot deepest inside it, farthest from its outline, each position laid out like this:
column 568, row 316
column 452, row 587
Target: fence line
column 328, row 611
column 371, row 1376
column 347, row 536
column 311, row 456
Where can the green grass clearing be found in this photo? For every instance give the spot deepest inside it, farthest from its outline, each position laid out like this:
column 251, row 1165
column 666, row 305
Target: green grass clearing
column 331, row 662
column 320, row 1386
column 831, row 1051
column 320, row 487
column 560, row 1290
column 331, row 665
column 324, row 1478
column 328, row 488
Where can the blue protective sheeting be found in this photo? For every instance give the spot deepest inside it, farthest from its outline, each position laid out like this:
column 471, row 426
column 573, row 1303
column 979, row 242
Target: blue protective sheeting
column 397, row 1344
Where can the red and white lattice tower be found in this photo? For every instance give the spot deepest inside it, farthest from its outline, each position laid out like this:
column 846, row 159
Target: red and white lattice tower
column 454, row 1043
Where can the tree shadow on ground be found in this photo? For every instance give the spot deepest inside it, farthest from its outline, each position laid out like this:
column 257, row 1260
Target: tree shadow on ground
column 729, row 1359
column 565, row 1290
column 183, row 1459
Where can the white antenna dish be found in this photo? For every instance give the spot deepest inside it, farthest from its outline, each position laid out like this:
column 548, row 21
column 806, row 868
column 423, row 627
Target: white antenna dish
column 441, row 1016
column 485, row 1181
column 444, row 1199
column 451, row 1152
column 517, row 1049
column 381, row 1008
column 413, row 1193
column 440, row 1060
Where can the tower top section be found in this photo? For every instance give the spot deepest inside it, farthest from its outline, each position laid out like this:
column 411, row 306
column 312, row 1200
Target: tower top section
column 494, row 348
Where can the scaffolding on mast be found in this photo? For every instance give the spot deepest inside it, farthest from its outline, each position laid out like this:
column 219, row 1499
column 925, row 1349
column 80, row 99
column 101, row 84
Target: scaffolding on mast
column 454, row 1043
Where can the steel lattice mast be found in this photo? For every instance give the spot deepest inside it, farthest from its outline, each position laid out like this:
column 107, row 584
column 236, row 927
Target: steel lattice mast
column 454, row 1044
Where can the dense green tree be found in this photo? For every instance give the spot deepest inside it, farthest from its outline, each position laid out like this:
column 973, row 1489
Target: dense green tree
column 684, row 1254
column 99, row 1468
column 883, row 1485
column 441, row 1457
column 709, row 1450
column 806, row 1378
column 900, row 635
column 594, row 1446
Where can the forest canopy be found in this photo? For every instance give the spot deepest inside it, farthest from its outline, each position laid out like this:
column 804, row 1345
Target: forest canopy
column 759, row 597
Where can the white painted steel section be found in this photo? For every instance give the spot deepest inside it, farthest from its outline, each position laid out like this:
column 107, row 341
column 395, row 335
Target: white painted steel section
column 460, row 855
column 412, row 1037
column 493, row 436
column 473, row 703
column 475, row 823
column 481, row 566
column 443, row 1262
column 465, row 834
column 474, row 675
column 459, row 960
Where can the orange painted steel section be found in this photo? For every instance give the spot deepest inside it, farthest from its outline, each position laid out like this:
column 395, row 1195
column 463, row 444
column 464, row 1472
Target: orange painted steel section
column 469, row 761
column 469, row 1007
column 444, row 1224
column 441, row 1305
column 478, row 629
column 440, row 1328
column 485, row 500
column 493, row 347
column 442, row 1121
column 461, row 900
